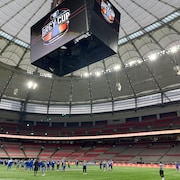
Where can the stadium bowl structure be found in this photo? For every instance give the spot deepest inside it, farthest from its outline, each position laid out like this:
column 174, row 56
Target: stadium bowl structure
column 124, row 107
column 144, row 72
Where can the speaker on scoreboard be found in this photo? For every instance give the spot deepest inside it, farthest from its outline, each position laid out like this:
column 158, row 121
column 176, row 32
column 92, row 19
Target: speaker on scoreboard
column 75, row 34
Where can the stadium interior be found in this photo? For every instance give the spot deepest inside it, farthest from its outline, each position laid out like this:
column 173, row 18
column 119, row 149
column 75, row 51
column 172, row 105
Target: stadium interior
column 125, row 107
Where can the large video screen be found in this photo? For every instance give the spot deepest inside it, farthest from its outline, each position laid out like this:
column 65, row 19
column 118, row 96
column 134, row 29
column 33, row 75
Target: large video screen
column 107, row 18
column 109, row 13
column 75, row 34
column 61, row 25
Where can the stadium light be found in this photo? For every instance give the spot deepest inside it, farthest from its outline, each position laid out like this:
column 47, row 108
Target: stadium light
column 174, row 49
column 131, row 63
column 97, row 73
column 32, row 85
column 117, row 67
column 86, row 74
column 153, row 57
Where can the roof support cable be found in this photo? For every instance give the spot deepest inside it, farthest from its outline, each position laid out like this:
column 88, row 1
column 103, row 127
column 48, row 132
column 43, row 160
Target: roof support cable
column 6, row 85
column 90, row 89
column 70, row 94
column 50, row 95
column 149, row 70
column 108, row 84
column 127, row 75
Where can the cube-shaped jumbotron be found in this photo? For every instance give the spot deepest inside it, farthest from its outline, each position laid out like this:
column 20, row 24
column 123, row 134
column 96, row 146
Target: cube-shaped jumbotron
column 75, row 34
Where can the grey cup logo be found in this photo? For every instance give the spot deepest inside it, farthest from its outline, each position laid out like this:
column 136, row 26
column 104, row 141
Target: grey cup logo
column 57, row 27
column 107, row 11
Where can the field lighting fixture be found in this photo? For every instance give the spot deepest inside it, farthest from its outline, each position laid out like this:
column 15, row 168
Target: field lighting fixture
column 173, row 49
column 86, row 74
column 153, row 57
column 97, row 73
column 32, row 85
column 117, row 67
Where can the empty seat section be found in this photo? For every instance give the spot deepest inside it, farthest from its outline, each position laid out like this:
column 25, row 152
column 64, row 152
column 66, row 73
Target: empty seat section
column 32, row 150
column 14, row 150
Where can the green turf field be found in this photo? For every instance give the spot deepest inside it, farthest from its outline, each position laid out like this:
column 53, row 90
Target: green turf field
column 93, row 173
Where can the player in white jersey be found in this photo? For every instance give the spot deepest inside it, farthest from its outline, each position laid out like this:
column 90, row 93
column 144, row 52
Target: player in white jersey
column 161, row 170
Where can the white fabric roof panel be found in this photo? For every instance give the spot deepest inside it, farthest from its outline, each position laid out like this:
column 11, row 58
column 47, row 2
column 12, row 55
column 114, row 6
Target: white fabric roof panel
column 18, row 16
column 137, row 75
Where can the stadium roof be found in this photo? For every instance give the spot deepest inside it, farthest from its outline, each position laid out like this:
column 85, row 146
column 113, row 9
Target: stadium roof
column 147, row 61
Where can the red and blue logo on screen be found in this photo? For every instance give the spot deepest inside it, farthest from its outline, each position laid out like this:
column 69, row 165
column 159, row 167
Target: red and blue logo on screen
column 57, row 27
column 107, row 11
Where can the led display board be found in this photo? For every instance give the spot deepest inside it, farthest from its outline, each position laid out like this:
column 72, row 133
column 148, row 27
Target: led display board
column 75, row 34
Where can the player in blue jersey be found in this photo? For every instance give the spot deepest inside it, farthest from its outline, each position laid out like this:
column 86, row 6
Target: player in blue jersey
column 177, row 166
column 43, row 167
column 110, row 164
column 9, row 164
